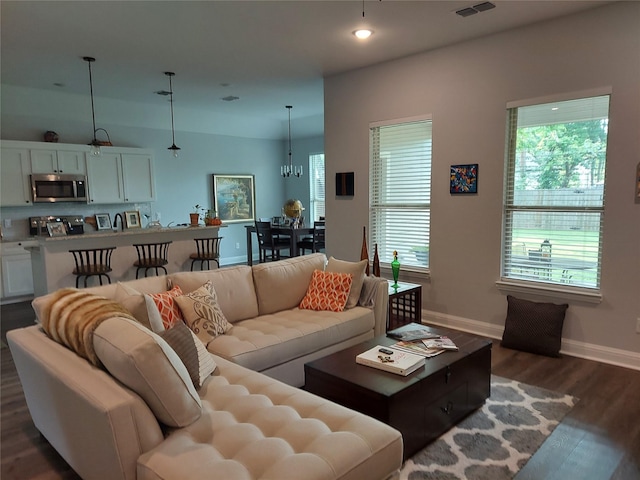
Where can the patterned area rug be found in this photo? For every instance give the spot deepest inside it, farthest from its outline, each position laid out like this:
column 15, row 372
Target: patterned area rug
column 497, row 440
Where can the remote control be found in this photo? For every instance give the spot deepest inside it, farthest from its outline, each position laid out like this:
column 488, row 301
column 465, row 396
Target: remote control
column 386, row 351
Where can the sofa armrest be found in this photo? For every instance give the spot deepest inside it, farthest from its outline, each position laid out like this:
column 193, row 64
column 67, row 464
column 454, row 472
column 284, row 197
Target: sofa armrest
column 98, row 426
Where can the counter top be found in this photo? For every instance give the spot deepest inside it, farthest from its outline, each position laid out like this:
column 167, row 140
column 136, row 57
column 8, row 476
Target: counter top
column 128, row 232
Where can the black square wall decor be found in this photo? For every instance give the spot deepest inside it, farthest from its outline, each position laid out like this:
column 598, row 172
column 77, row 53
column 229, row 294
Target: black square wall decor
column 344, row 184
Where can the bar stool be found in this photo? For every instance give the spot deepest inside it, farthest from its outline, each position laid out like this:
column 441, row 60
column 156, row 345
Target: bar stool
column 92, row 262
column 151, row 256
column 208, row 250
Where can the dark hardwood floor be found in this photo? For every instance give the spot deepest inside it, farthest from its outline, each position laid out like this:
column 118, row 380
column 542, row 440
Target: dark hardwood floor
column 598, row 440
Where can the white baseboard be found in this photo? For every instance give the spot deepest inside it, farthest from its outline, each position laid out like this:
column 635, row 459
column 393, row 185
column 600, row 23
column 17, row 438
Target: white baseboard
column 589, row 351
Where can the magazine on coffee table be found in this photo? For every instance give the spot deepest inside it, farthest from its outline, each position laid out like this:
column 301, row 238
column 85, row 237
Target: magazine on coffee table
column 412, row 331
column 419, row 348
column 398, row 361
column 442, row 342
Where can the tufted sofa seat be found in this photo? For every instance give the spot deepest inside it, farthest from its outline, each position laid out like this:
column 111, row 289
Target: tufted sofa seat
column 254, row 427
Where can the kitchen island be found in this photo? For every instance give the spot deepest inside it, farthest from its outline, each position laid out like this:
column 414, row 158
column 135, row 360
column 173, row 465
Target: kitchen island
column 52, row 264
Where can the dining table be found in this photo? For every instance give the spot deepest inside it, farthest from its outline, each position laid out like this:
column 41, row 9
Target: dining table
column 294, row 234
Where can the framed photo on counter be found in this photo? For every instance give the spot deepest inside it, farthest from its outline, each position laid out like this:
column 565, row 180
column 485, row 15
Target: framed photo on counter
column 132, row 219
column 56, row 229
column 103, row 221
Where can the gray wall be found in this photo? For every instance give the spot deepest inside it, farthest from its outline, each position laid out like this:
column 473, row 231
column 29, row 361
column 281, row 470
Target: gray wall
column 181, row 183
column 466, row 88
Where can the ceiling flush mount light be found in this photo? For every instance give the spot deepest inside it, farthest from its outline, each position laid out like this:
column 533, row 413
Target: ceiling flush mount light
column 288, row 169
column 95, row 151
column 363, row 33
column 174, row 148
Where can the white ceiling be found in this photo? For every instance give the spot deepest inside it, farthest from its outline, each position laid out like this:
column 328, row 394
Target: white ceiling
column 268, row 53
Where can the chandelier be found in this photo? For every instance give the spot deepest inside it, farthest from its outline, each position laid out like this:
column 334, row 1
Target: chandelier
column 288, row 169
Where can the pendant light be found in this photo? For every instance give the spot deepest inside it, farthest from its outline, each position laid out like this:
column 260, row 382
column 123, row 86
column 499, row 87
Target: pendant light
column 174, row 148
column 95, row 150
column 288, row 169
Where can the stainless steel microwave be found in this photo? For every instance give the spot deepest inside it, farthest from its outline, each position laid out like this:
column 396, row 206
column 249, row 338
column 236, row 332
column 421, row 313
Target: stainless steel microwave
column 49, row 188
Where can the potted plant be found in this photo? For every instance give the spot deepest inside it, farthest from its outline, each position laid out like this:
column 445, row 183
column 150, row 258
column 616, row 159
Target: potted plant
column 195, row 215
column 211, row 219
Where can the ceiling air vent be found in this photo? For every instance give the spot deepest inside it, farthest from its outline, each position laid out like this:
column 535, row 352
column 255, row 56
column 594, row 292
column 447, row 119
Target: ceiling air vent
column 480, row 7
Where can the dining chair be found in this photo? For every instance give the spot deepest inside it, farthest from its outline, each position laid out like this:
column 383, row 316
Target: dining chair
column 270, row 242
column 316, row 242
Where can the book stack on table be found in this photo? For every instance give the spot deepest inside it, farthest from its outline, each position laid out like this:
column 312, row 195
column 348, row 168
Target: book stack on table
column 391, row 360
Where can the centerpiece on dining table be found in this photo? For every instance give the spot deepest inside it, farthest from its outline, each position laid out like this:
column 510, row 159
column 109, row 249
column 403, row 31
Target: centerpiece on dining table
column 293, row 209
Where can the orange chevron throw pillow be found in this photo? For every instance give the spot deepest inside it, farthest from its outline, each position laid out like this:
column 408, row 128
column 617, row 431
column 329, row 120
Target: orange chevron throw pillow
column 327, row 291
column 167, row 307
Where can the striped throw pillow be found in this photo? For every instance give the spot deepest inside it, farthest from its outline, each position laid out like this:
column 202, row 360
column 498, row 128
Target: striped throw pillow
column 192, row 352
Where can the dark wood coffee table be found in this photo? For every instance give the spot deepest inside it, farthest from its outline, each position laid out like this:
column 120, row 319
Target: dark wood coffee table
column 422, row 405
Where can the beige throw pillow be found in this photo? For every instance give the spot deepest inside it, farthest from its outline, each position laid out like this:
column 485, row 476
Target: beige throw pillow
column 202, row 313
column 146, row 364
column 354, row 268
column 133, row 301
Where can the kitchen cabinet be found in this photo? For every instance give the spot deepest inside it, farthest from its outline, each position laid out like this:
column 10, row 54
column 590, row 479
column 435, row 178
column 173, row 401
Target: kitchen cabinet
column 121, row 176
column 17, row 277
column 137, row 172
column 15, row 168
column 58, row 161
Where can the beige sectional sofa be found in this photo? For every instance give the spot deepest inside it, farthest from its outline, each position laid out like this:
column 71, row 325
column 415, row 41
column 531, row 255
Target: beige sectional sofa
column 141, row 418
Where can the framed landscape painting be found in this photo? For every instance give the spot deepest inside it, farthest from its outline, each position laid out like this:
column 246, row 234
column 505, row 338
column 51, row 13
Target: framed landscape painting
column 234, row 198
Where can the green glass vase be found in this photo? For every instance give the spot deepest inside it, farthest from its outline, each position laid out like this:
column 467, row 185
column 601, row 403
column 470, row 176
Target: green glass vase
column 395, row 268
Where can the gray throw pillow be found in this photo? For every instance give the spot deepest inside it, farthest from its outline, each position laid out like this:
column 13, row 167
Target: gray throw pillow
column 534, row 327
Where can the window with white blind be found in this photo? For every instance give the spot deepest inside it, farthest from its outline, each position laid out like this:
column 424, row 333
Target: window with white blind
column 554, row 192
column 316, row 186
column 400, row 191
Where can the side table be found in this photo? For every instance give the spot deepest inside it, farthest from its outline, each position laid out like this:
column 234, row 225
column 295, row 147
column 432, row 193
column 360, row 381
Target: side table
column 405, row 304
